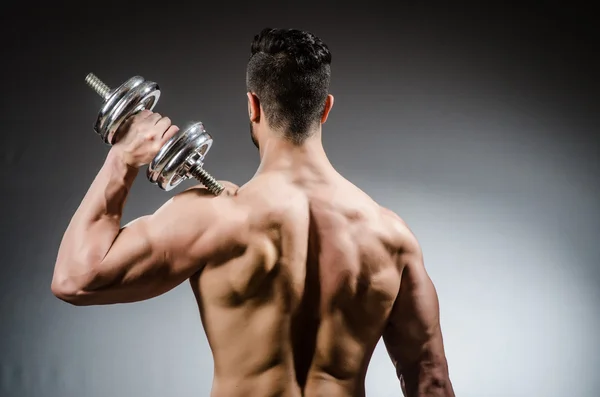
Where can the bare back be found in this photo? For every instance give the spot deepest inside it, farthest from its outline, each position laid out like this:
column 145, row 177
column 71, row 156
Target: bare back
column 296, row 293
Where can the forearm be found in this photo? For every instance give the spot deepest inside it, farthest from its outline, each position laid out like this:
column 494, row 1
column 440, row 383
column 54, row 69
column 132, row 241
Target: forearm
column 427, row 378
column 97, row 221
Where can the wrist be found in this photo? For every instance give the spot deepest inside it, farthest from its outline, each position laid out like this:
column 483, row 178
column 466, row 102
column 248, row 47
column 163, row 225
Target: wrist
column 117, row 163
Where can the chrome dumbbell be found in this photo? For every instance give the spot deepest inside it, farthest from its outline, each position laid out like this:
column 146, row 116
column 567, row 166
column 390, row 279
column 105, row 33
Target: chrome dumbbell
column 181, row 158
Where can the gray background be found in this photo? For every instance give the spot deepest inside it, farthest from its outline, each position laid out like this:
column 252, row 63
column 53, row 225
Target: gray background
column 474, row 124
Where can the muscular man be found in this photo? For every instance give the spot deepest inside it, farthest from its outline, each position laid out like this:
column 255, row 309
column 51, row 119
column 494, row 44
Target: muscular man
column 297, row 274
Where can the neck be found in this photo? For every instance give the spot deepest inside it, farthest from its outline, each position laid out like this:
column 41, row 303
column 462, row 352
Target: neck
column 280, row 154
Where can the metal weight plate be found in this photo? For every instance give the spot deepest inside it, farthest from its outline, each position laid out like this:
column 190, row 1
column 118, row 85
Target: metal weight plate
column 186, row 149
column 131, row 97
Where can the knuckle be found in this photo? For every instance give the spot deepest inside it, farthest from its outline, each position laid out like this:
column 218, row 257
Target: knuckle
column 140, row 115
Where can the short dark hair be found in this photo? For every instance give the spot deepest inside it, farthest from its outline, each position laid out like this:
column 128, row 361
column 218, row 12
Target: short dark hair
column 289, row 70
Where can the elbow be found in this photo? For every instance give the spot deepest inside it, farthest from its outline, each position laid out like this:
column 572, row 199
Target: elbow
column 426, row 376
column 65, row 289
column 437, row 382
column 71, row 289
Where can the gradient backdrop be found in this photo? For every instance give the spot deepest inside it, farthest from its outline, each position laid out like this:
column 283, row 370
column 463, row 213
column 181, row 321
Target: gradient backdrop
column 475, row 124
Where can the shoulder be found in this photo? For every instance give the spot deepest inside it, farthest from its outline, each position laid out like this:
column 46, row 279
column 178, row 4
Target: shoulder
column 258, row 204
column 197, row 205
column 402, row 237
column 196, row 223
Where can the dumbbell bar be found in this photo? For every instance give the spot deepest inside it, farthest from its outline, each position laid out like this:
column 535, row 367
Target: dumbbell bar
column 181, row 158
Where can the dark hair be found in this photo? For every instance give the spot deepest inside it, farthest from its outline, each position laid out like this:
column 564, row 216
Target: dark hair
column 289, row 70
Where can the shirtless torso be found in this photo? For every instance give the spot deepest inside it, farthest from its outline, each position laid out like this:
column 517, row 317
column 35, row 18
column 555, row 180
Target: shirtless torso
column 298, row 273
column 297, row 286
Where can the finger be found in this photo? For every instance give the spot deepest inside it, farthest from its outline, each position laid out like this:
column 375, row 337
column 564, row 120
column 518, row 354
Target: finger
column 142, row 114
column 139, row 116
column 154, row 118
column 161, row 127
column 169, row 133
column 163, row 122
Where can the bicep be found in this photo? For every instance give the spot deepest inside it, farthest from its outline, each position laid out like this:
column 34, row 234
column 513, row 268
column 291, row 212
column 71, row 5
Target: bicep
column 135, row 269
column 154, row 253
column 134, row 259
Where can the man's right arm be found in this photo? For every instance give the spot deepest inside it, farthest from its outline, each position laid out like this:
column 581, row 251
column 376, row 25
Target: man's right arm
column 413, row 336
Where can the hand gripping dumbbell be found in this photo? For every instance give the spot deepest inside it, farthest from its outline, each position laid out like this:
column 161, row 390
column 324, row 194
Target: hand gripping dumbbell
column 181, row 158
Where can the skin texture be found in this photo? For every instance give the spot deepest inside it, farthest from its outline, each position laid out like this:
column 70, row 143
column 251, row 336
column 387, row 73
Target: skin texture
column 297, row 274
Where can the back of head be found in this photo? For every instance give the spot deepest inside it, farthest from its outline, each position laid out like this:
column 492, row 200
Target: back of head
column 289, row 71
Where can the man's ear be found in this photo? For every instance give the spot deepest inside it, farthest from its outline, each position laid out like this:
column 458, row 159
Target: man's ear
column 328, row 106
column 253, row 107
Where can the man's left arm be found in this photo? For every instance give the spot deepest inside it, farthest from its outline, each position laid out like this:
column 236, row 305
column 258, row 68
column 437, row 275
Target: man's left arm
column 101, row 263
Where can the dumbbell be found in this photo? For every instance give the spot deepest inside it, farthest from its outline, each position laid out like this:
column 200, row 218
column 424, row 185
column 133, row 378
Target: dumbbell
column 181, row 158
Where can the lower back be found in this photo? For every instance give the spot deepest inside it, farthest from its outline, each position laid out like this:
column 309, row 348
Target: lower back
column 277, row 382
